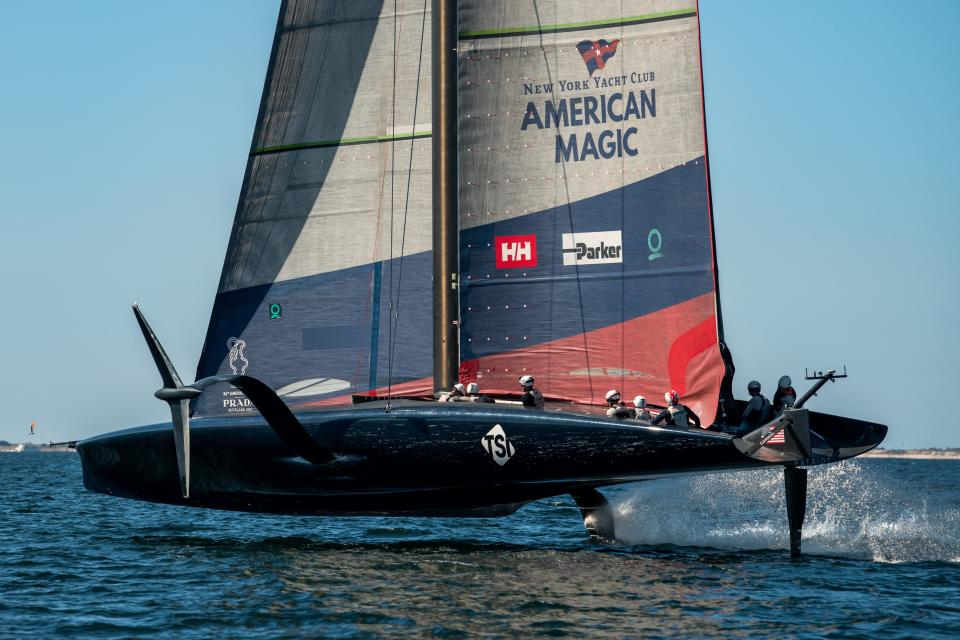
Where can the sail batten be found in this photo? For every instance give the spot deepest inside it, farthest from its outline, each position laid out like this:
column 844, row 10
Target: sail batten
column 342, row 142
column 506, row 32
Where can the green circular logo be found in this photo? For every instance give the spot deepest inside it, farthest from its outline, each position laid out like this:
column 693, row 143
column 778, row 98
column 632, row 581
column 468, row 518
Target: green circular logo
column 655, row 244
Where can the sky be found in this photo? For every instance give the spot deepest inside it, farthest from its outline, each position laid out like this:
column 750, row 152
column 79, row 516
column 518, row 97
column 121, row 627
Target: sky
column 832, row 130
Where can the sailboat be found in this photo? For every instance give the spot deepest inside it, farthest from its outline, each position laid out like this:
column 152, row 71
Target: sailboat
column 528, row 178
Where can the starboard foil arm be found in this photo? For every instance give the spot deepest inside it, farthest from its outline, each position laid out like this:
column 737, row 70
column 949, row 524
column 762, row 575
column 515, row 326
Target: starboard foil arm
column 276, row 413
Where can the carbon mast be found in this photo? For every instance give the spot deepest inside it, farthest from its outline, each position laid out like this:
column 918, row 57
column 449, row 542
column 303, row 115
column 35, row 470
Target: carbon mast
column 446, row 264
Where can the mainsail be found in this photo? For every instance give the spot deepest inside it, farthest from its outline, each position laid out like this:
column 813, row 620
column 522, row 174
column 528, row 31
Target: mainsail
column 332, row 229
column 586, row 238
column 586, row 234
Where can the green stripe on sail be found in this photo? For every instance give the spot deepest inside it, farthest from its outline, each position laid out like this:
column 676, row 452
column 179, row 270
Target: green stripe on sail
column 341, row 142
column 579, row 26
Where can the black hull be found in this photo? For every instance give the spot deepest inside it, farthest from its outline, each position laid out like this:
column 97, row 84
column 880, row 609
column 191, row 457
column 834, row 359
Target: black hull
column 425, row 459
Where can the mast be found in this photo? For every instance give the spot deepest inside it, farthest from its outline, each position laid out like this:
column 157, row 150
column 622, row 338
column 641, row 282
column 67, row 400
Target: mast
column 446, row 303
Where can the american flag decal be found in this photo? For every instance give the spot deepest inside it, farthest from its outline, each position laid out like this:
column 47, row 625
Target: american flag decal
column 780, row 437
column 596, row 54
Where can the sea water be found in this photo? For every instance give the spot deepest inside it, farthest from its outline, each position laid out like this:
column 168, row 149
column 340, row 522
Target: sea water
column 701, row 557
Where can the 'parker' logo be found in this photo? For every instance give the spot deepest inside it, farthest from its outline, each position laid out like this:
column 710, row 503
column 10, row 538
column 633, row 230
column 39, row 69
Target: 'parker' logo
column 497, row 445
column 595, row 247
column 596, row 54
column 516, row 251
column 237, row 360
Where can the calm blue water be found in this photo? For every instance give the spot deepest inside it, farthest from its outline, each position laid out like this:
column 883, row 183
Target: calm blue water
column 704, row 557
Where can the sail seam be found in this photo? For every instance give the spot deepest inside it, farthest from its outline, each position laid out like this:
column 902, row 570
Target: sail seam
column 342, row 142
column 506, row 32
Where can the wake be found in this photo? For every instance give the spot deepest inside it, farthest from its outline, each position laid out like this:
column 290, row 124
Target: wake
column 852, row 510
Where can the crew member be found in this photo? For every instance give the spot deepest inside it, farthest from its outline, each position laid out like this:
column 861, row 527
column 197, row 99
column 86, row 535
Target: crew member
column 640, row 411
column 615, row 407
column 456, row 394
column 473, row 394
column 679, row 415
column 758, row 409
column 785, row 396
column 531, row 397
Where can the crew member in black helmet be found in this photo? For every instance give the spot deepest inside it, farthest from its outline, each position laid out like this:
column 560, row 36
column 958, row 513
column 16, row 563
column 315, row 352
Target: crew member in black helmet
column 531, row 397
column 785, row 396
column 758, row 409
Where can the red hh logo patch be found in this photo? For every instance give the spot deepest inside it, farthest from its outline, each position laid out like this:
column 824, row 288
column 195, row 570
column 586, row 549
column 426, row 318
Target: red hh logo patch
column 516, row 251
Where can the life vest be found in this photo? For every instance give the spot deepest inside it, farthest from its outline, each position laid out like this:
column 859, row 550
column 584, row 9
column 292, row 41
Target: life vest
column 642, row 414
column 620, row 411
column 784, row 398
column 766, row 410
column 678, row 415
column 759, row 411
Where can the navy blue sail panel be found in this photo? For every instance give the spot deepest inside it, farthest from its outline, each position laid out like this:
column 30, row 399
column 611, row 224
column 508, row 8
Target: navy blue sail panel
column 335, row 205
column 587, row 245
column 323, row 336
column 663, row 258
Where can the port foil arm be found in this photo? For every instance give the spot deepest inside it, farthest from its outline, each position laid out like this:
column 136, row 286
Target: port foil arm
column 268, row 403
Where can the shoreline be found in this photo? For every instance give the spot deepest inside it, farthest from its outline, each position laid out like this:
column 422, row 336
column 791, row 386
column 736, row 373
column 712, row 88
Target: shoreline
column 914, row 454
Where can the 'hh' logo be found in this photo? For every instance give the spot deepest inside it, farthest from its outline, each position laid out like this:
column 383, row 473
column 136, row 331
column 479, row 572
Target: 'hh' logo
column 516, row 251
column 498, row 445
column 596, row 54
column 595, row 247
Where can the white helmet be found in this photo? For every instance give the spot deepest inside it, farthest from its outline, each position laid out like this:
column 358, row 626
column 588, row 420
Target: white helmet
column 459, row 387
column 613, row 396
column 785, row 382
column 672, row 398
column 526, row 381
column 473, row 389
column 640, row 402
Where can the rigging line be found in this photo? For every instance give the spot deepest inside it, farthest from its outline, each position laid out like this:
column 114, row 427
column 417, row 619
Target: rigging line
column 623, row 264
column 406, row 202
column 393, row 154
column 373, row 260
column 566, row 188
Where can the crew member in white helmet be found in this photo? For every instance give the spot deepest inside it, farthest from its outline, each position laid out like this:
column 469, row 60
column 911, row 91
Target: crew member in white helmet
column 640, row 411
column 758, row 410
column 456, row 394
column 785, row 396
column 615, row 407
column 473, row 394
column 679, row 415
column 530, row 397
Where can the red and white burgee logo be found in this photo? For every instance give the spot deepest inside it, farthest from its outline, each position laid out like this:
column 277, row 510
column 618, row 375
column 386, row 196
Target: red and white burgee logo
column 516, row 251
